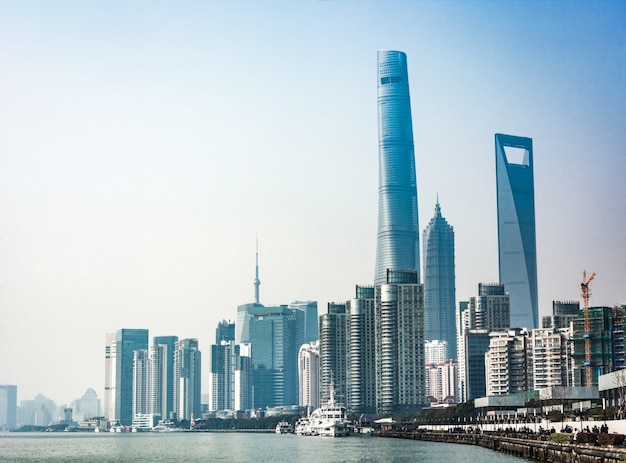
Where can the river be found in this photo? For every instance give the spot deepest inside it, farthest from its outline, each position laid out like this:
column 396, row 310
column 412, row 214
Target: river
column 230, row 447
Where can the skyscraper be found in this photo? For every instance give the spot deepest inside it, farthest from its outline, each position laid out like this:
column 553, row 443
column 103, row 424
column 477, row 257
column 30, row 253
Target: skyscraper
column 489, row 311
column 8, row 407
column 187, row 379
column 397, row 245
column 333, row 353
column 517, row 249
column 309, row 375
column 361, row 342
column 127, row 341
column 161, row 383
column 439, row 282
column 275, row 335
column 140, row 382
column 399, row 319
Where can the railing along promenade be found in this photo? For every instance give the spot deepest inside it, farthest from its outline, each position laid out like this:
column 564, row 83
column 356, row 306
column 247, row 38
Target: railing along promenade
column 520, row 445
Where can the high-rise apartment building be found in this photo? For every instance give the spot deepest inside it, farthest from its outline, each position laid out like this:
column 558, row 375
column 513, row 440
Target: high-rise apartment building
column 439, row 281
column 333, row 353
column 509, row 362
column 436, row 351
column 140, row 382
column 223, row 360
column 442, row 381
column 399, row 321
column 361, row 343
column 243, row 398
column 309, row 375
column 517, row 249
column 8, row 407
column 161, row 376
column 187, row 379
column 121, row 358
column 397, row 245
column 109, row 376
column 551, row 359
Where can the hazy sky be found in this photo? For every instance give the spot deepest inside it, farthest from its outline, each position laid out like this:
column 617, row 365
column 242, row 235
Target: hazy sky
column 144, row 145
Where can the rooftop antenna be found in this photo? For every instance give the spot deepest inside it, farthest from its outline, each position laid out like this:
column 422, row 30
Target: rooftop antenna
column 257, row 282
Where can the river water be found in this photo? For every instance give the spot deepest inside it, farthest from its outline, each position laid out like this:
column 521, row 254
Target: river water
column 231, row 447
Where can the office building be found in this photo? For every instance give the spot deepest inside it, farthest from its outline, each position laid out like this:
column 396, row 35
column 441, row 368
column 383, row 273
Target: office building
column 476, row 345
column 8, row 407
column 361, row 343
column 309, row 375
column 225, row 331
column 275, row 335
column 88, row 406
column 311, row 329
column 563, row 312
column 187, row 380
column 121, row 357
column 333, row 353
column 223, row 359
column 399, row 321
column 517, row 249
column 439, row 281
column 486, row 312
column 161, row 377
column 397, row 245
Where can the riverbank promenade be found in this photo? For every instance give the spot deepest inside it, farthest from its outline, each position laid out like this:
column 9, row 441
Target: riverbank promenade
column 530, row 446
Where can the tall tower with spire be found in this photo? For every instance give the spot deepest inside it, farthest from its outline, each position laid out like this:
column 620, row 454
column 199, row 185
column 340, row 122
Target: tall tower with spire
column 257, row 282
column 439, row 281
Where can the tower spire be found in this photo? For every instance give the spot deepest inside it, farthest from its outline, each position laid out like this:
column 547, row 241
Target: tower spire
column 257, row 282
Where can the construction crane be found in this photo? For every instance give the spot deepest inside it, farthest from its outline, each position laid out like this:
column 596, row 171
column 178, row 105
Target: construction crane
column 584, row 289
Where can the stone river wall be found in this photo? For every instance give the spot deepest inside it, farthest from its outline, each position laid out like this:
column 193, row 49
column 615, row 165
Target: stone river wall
column 524, row 448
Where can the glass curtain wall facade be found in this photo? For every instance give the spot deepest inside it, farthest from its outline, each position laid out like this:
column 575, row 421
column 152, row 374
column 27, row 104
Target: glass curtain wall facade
column 439, row 282
column 127, row 341
column 397, row 245
column 517, row 249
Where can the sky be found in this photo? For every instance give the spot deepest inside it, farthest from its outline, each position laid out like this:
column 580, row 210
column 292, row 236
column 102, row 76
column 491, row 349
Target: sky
column 146, row 145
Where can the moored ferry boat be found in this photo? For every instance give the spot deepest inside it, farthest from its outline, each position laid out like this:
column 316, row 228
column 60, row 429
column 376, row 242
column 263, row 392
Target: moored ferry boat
column 284, row 427
column 330, row 420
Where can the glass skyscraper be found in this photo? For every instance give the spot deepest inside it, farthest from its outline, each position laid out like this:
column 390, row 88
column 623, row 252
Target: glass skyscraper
column 127, row 341
column 517, row 249
column 397, row 244
column 439, row 282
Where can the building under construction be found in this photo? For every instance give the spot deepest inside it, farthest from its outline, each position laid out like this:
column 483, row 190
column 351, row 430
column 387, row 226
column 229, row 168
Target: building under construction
column 600, row 347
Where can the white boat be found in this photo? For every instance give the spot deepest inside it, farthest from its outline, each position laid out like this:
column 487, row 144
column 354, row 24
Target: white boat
column 303, row 427
column 284, row 427
column 330, row 420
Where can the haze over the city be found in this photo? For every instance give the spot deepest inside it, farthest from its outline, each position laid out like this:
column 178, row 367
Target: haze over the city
column 145, row 146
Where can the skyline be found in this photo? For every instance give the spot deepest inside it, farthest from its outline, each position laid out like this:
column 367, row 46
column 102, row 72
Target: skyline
column 144, row 148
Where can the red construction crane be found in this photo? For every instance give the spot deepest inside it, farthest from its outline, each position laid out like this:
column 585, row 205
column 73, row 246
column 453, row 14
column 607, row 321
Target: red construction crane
column 584, row 289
